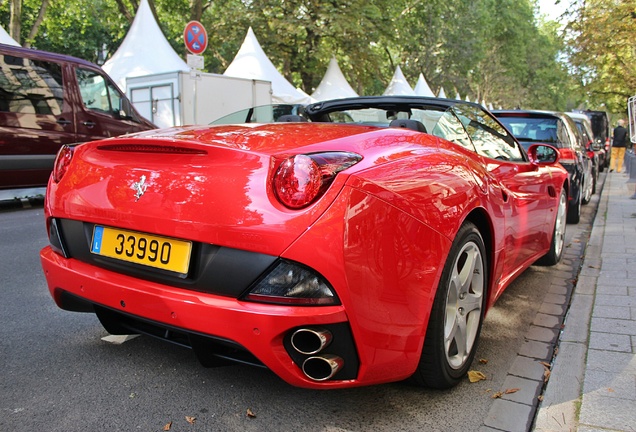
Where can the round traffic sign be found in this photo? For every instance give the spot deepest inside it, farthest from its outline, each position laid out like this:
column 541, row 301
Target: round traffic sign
column 195, row 37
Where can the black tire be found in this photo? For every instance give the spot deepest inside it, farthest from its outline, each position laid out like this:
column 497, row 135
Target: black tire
column 558, row 234
column 574, row 209
column 443, row 363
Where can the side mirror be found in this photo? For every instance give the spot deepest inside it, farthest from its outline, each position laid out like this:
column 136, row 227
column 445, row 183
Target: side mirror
column 542, row 154
column 124, row 112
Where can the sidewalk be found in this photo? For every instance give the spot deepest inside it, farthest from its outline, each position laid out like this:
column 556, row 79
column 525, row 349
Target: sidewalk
column 592, row 386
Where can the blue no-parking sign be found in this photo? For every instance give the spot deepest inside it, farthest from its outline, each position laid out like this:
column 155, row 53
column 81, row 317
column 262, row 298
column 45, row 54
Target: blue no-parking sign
column 195, row 37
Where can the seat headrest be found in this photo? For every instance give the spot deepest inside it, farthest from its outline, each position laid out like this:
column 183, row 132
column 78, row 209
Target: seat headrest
column 408, row 124
column 291, row 118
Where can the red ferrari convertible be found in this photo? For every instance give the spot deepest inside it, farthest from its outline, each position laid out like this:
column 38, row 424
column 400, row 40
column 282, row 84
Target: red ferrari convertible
column 346, row 243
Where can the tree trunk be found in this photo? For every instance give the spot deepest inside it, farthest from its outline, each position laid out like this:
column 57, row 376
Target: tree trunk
column 197, row 7
column 124, row 11
column 36, row 25
column 15, row 22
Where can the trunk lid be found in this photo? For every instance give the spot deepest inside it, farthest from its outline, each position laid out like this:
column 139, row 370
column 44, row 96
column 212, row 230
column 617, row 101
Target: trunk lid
column 211, row 185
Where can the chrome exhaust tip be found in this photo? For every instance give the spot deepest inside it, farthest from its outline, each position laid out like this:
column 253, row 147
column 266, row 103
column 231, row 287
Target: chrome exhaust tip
column 310, row 341
column 321, row 368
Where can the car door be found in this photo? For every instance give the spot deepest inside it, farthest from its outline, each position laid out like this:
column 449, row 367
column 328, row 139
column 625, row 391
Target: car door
column 526, row 193
column 104, row 111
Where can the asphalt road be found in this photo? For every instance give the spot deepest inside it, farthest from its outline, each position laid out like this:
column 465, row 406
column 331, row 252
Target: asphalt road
column 57, row 374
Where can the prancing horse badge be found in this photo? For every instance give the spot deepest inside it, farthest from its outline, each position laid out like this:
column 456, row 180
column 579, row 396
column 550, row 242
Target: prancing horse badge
column 139, row 187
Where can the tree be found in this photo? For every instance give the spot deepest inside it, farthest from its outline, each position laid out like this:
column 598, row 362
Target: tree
column 603, row 51
column 492, row 50
column 15, row 21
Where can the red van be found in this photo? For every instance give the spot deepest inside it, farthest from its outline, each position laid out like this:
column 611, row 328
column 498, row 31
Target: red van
column 47, row 100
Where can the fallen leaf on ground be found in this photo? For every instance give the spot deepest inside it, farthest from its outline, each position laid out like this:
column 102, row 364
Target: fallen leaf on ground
column 483, row 361
column 190, row 419
column 512, row 390
column 167, row 426
column 540, row 398
column 474, row 376
column 546, row 365
column 250, row 413
column 546, row 375
column 497, row 395
column 611, row 390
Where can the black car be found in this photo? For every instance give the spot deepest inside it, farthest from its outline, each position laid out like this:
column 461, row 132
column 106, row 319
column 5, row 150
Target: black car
column 595, row 151
column 558, row 130
column 601, row 131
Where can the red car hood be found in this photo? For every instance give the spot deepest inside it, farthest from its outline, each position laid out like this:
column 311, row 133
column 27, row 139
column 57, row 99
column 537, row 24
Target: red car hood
column 207, row 184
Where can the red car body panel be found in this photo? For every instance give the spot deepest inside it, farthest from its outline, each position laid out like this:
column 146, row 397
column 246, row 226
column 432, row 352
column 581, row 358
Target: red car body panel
column 417, row 188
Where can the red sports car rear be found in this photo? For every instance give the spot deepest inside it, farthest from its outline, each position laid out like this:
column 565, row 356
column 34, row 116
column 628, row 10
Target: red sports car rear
column 324, row 252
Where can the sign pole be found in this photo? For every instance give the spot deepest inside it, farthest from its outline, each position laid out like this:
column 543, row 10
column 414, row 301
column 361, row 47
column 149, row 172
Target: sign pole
column 196, row 41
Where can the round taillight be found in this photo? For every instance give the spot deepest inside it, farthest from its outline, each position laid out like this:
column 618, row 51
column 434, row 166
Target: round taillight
column 62, row 162
column 298, row 181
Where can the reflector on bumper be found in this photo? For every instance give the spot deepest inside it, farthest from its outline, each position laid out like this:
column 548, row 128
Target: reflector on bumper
column 291, row 283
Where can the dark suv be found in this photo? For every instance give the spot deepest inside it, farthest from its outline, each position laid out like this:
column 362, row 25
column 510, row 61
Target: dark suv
column 558, row 130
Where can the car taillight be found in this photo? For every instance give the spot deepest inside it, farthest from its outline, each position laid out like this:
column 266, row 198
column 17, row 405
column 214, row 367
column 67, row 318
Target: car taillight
column 292, row 284
column 567, row 155
column 301, row 179
column 62, row 161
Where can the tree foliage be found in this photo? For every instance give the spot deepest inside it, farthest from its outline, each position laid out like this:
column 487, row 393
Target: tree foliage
column 487, row 50
column 603, row 51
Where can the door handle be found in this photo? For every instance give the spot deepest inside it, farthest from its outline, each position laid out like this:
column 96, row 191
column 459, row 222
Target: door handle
column 63, row 122
column 89, row 124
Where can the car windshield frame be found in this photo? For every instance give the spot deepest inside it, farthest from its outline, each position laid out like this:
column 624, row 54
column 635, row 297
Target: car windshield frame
column 465, row 123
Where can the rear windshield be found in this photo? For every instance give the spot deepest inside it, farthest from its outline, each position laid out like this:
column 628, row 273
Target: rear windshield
column 545, row 130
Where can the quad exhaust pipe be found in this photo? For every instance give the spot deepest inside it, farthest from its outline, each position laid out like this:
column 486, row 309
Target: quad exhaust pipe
column 321, row 368
column 310, row 341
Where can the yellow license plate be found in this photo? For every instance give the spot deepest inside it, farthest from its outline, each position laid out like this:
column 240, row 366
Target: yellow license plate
column 141, row 248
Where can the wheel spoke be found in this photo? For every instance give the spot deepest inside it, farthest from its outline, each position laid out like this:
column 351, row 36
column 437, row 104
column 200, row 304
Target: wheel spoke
column 559, row 231
column 468, row 269
column 470, row 303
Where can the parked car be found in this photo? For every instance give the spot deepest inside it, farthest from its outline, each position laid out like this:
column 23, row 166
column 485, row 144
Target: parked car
column 601, row 131
column 334, row 254
column 557, row 129
column 595, row 151
column 48, row 100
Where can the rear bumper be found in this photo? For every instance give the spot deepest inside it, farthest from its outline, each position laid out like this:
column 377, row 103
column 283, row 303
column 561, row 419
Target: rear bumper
column 205, row 320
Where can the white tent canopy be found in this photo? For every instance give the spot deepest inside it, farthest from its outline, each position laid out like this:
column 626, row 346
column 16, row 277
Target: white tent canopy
column 442, row 93
column 144, row 51
column 398, row 85
column 6, row 39
column 334, row 85
column 422, row 88
column 251, row 62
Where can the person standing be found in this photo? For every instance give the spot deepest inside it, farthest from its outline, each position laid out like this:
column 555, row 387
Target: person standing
column 619, row 143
